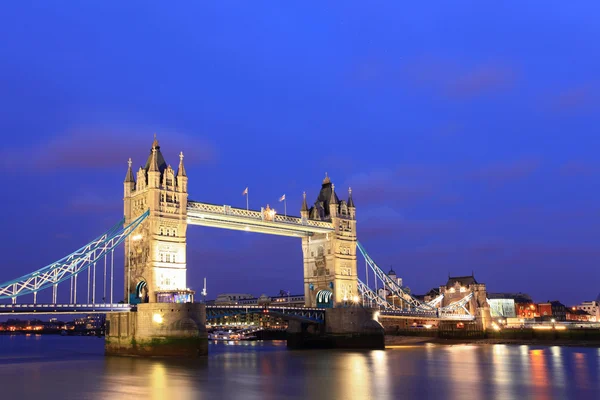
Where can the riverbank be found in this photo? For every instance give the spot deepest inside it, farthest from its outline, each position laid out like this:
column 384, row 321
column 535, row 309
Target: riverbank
column 410, row 341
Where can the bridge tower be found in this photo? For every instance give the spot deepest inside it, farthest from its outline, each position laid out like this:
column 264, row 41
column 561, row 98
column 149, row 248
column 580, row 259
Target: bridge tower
column 155, row 254
column 330, row 276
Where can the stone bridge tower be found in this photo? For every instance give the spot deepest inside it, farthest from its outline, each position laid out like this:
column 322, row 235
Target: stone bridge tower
column 155, row 254
column 330, row 276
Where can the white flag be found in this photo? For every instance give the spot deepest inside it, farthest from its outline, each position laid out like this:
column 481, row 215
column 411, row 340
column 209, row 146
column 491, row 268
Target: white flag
column 282, row 198
column 245, row 192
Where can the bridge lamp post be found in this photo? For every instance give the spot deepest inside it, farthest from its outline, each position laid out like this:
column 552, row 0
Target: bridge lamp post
column 135, row 238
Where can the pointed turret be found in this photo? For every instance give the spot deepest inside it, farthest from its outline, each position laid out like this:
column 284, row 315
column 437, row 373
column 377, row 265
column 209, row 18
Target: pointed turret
column 332, row 197
column 153, row 163
column 333, row 203
column 129, row 175
column 181, row 169
column 153, row 171
column 129, row 183
column 181, row 175
column 350, row 199
column 351, row 206
column 304, row 209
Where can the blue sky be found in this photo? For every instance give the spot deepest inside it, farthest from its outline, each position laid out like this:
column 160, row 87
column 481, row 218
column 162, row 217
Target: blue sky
column 468, row 131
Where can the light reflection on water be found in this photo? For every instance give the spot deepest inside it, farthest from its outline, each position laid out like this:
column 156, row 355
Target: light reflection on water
column 75, row 367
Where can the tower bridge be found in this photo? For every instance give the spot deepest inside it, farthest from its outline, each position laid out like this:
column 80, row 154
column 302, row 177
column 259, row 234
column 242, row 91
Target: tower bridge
column 158, row 302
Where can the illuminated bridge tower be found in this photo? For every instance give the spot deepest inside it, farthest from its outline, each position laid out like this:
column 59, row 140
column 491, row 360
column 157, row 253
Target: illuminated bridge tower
column 330, row 276
column 155, row 254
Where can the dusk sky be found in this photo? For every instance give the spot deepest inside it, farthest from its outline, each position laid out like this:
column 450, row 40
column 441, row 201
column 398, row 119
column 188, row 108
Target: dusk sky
column 469, row 132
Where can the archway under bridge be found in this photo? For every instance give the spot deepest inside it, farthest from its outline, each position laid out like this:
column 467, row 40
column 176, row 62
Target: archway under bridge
column 327, row 232
column 237, row 263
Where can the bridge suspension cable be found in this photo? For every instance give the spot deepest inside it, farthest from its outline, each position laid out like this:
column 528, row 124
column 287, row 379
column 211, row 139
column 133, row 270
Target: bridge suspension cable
column 68, row 267
column 391, row 285
column 408, row 303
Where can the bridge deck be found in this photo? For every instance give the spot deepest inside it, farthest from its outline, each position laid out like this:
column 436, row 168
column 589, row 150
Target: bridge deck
column 28, row 309
column 216, row 216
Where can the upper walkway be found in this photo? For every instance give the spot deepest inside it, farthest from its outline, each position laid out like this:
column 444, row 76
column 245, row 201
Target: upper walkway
column 264, row 221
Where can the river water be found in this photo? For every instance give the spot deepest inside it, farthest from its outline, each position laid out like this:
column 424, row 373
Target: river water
column 75, row 368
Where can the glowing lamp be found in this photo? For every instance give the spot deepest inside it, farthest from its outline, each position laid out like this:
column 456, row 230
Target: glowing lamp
column 157, row 318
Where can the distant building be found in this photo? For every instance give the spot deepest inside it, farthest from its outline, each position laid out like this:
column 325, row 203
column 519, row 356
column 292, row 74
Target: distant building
column 504, row 305
column 458, row 287
column 553, row 310
column 574, row 314
column 295, row 300
column 592, row 308
column 232, row 299
column 427, row 297
column 527, row 310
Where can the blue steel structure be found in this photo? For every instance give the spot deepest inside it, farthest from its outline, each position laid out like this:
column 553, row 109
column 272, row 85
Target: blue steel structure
column 87, row 257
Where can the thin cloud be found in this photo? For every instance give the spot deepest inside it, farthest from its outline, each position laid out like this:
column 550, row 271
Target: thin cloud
column 453, row 80
column 506, row 172
column 99, row 149
column 579, row 98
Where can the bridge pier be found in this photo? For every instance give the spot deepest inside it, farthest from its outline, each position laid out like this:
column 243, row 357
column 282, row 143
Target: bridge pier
column 158, row 329
column 344, row 328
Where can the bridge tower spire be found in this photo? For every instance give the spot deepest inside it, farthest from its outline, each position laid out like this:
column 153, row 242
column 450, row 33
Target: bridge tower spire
column 330, row 275
column 155, row 254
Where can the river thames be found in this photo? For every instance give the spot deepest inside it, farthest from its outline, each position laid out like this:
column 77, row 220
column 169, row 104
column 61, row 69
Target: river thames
column 75, row 368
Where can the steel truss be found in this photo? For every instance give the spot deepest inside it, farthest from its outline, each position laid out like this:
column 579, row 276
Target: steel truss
column 71, row 265
column 450, row 310
column 369, row 295
column 393, row 286
column 436, row 301
column 417, row 308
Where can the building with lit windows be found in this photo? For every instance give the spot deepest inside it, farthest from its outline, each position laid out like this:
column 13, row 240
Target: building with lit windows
column 553, row 310
column 458, row 287
column 527, row 310
column 592, row 308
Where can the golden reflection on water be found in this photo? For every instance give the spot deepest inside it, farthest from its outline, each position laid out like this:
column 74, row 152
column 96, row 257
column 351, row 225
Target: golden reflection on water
column 158, row 381
column 464, row 372
column 264, row 371
column 354, row 377
column 539, row 374
column 381, row 374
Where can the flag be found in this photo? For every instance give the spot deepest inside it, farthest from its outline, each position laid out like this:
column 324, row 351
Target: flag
column 282, row 198
column 245, row 192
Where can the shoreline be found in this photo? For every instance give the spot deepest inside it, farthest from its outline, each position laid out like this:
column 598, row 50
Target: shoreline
column 412, row 341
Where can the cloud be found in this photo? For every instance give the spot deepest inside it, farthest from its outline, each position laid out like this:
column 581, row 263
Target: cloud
column 86, row 201
column 378, row 187
column 577, row 98
column 578, row 169
column 506, row 171
column 453, row 80
column 481, row 80
column 99, row 149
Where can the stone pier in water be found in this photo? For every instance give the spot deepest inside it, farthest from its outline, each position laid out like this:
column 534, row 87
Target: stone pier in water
column 158, row 329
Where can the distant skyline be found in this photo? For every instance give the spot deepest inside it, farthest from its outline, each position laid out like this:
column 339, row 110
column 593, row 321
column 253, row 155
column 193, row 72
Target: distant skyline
column 468, row 132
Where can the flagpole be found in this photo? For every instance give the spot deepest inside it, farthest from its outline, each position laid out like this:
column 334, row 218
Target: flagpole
column 285, row 207
column 247, row 195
